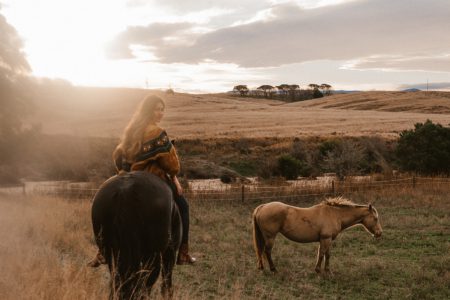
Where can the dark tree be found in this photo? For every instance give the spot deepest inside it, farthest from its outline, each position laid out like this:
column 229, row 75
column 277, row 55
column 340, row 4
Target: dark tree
column 284, row 89
column 293, row 88
column 326, row 89
column 267, row 89
column 425, row 149
column 242, row 89
column 15, row 101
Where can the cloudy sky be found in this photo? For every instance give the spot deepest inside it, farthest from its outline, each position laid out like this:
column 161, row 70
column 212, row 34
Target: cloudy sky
column 210, row 46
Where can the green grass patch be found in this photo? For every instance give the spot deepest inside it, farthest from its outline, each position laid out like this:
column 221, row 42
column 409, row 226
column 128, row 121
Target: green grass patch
column 411, row 260
column 244, row 167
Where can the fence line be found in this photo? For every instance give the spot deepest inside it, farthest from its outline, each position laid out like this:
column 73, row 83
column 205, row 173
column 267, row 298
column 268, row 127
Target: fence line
column 245, row 192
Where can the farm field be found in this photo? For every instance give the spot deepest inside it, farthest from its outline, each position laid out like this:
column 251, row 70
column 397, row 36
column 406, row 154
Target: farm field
column 46, row 242
column 105, row 112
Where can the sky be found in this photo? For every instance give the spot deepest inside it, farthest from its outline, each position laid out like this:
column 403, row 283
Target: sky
column 211, row 46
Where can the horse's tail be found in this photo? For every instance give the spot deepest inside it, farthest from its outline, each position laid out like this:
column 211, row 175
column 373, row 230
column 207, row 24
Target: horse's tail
column 258, row 239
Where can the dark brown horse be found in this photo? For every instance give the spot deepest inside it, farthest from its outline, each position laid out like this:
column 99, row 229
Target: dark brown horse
column 319, row 223
column 137, row 228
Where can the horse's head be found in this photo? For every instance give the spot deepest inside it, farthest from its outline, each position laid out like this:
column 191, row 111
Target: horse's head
column 372, row 222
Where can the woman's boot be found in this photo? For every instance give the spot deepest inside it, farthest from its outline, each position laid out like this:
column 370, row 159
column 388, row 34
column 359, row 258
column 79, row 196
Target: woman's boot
column 183, row 255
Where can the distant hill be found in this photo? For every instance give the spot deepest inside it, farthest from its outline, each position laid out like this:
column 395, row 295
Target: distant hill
column 345, row 91
column 412, row 90
column 389, row 101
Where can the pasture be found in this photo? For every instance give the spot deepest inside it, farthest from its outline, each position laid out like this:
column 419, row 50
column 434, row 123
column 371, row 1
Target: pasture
column 46, row 242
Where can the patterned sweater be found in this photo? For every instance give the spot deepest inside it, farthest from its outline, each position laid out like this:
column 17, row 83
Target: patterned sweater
column 158, row 155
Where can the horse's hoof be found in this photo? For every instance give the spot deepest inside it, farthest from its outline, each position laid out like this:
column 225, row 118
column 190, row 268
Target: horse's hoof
column 318, row 271
column 274, row 271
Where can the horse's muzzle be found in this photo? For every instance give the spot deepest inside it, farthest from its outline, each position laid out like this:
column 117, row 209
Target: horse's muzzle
column 378, row 234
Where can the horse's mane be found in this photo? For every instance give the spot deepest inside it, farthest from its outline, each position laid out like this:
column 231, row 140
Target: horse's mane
column 339, row 201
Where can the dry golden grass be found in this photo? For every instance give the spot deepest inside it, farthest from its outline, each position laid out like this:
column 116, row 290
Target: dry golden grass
column 420, row 102
column 45, row 243
column 104, row 112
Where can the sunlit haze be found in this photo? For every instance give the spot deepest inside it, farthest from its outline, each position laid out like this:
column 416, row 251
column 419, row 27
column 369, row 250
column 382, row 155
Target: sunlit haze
column 210, row 46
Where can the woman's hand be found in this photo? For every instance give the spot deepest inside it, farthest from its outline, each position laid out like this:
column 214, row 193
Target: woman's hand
column 178, row 185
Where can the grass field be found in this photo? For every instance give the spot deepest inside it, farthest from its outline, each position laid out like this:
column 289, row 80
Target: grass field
column 46, row 242
column 104, row 112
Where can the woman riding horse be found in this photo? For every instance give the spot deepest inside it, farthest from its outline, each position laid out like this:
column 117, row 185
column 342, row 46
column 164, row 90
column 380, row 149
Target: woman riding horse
column 146, row 147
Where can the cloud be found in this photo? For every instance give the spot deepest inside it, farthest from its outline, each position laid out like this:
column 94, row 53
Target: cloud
column 438, row 63
column 152, row 36
column 351, row 30
column 198, row 5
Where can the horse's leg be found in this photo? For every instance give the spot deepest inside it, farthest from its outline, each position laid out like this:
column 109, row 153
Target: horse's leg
column 325, row 243
column 260, row 263
column 327, row 260
column 268, row 252
column 168, row 261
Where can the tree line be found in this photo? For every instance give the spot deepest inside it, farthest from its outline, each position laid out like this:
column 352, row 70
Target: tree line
column 286, row 92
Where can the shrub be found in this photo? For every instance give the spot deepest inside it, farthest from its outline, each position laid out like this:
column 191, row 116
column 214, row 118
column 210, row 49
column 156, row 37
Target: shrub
column 244, row 167
column 377, row 156
column 425, row 149
column 343, row 157
column 289, row 167
column 268, row 168
column 328, row 146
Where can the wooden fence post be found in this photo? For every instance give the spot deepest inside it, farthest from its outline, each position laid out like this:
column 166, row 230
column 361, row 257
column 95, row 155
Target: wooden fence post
column 333, row 192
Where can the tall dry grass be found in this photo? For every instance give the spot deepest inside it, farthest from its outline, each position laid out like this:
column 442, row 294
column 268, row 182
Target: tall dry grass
column 44, row 246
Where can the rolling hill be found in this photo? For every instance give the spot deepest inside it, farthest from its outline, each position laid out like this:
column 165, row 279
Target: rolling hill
column 104, row 112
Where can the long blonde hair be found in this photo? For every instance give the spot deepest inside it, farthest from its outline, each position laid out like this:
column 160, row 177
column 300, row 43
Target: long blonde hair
column 131, row 141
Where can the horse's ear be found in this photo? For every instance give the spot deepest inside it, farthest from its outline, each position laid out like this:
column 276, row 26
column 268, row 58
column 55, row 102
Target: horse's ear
column 370, row 207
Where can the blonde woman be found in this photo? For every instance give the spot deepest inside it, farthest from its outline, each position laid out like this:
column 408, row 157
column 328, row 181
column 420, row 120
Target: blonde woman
column 146, row 147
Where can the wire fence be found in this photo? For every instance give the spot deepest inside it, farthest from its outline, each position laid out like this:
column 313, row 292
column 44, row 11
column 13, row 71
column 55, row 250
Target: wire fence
column 256, row 192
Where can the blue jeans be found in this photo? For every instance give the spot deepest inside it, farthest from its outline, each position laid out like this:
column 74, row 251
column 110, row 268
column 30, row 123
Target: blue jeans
column 183, row 207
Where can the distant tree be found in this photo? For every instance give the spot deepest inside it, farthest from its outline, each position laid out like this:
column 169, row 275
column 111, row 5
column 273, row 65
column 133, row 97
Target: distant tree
column 426, row 149
column 16, row 90
column 326, row 89
column 242, row 89
column 267, row 89
column 284, row 89
column 315, row 92
column 293, row 88
column 313, row 86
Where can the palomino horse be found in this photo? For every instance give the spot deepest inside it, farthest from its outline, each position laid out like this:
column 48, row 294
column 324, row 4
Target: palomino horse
column 137, row 228
column 319, row 223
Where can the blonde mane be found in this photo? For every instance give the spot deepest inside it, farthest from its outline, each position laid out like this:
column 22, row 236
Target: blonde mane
column 339, row 201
